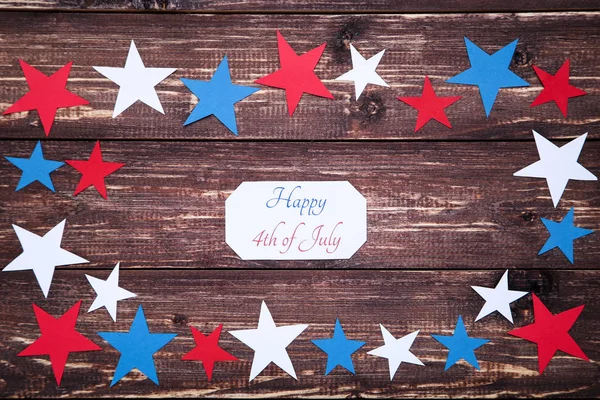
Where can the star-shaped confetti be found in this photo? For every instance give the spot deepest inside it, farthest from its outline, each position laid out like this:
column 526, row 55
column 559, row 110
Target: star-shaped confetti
column 217, row 97
column 460, row 345
column 108, row 292
column 269, row 343
column 556, row 88
column 136, row 82
column 93, row 171
column 58, row 339
column 46, row 94
column 339, row 349
column 557, row 165
column 396, row 351
column 42, row 254
column 498, row 298
column 489, row 72
column 137, row 348
column 296, row 74
column 35, row 168
column 551, row 333
column 430, row 106
column 562, row 234
column 207, row 350
column 363, row 71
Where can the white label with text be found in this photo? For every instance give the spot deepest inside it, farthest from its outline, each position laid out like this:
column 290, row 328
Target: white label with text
column 295, row 220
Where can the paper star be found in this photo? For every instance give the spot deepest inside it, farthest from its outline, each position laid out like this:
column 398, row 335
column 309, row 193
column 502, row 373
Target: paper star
column 42, row 254
column 460, row 345
column 557, row 165
column 296, row 74
column 58, row 339
column 136, row 82
column 137, row 348
column 46, row 94
column 562, row 234
column 35, row 168
column 430, row 106
column 489, row 72
column 339, row 349
column 551, row 333
column 363, row 71
column 93, row 171
column 269, row 343
column 556, row 88
column 207, row 350
column 396, row 351
column 498, row 298
column 108, row 292
column 217, row 97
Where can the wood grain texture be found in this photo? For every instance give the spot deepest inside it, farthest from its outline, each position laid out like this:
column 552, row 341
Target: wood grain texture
column 444, row 211
column 417, row 45
column 404, row 301
column 336, row 6
column 430, row 205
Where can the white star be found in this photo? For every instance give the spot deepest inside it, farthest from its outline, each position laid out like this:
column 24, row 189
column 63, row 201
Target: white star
column 42, row 255
column 396, row 350
column 136, row 82
column 498, row 298
column 363, row 71
column 557, row 165
column 108, row 292
column 269, row 343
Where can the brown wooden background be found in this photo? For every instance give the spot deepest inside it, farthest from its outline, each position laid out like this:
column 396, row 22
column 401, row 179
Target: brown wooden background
column 444, row 210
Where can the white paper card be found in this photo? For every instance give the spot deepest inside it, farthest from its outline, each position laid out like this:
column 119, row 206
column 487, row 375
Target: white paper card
column 295, row 220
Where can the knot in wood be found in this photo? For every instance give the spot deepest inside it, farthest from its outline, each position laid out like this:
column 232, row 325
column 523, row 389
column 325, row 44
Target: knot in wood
column 522, row 58
column 372, row 107
column 343, row 37
column 349, row 31
column 543, row 284
column 180, row 319
column 529, row 216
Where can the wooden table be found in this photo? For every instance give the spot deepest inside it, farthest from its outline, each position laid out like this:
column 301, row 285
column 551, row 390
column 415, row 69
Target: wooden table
column 444, row 210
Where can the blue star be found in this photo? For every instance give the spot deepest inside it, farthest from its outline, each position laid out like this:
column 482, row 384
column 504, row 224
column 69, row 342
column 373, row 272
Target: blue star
column 489, row 72
column 339, row 349
column 460, row 345
column 35, row 168
column 137, row 347
column 562, row 234
column 217, row 97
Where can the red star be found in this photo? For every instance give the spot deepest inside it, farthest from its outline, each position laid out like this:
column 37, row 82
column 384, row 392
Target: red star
column 296, row 74
column 46, row 94
column 207, row 350
column 58, row 339
column 556, row 88
column 550, row 332
column 93, row 171
column 430, row 105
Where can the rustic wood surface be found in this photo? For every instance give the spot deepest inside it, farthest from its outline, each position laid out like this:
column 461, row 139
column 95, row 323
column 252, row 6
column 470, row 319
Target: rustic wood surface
column 335, row 6
column 416, row 45
column 430, row 205
column 404, row 301
column 444, row 211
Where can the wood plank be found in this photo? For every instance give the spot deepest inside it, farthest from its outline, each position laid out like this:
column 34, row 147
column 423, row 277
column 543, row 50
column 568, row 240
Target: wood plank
column 300, row 5
column 404, row 301
column 417, row 45
column 430, row 205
